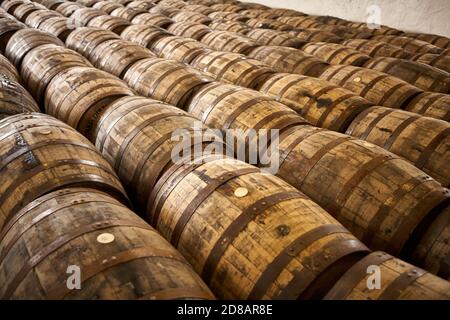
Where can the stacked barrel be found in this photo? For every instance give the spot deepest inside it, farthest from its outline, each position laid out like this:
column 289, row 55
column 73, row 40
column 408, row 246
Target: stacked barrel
column 363, row 153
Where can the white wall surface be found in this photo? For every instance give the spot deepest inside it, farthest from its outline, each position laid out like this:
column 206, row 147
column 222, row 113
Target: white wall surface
column 427, row 16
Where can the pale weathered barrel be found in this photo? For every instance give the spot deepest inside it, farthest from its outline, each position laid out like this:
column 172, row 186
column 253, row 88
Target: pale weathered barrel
column 232, row 16
column 57, row 26
column 189, row 30
column 421, row 140
column 435, row 105
column 315, row 35
column 377, row 87
column 7, row 28
column 116, row 25
column 439, row 41
column 336, row 53
column 82, row 16
column 35, row 18
column 22, row 11
column 67, row 8
column 41, row 154
column 142, row 5
column 41, row 64
column 7, row 70
column 192, row 17
column 275, row 38
column 229, row 25
column 249, row 234
column 14, row 98
column 206, row 10
column 409, row 44
column 144, row 35
column 418, row 74
column 398, row 281
column 320, row 102
column 10, row 5
column 435, row 60
column 289, row 60
column 339, row 172
column 179, row 48
column 117, row 56
column 79, row 96
column 152, row 19
column 229, row 41
column 266, row 23
column 106, row 6
column 114, row 249
column 233, row 68
column 126, row 13
column 166, row 80
column 137, row 136
column 375, row 48
column 85, row 39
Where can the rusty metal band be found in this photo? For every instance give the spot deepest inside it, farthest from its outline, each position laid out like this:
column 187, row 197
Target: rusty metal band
column 391, row 91
column 396, row 133
column 289, row 85
column 154, row 86
column 335, row 53
column 42, row 216
column 342, row 118
column 62, row 240
column 431, row 148
column 258, row 71
column 284, row 152
column 18, row 130
column 400, row 284
column 273, row 116
column 136, row 130
column 376, row 49
column 241, row 108
column 202, row 195
column 313, row 99
column 217, row 100
column 387, row 206
column 362, row 172
column 238, row 225
column 284, row 258
column 311, row 163
column 140, row 69
column 371, row 125
column 239, row 43
column 316, row 263
column 337, row 70
column 355, row 54
column 60, row 290
column 204, row 92
column 444, row 267
column 315, row 48
column 117, row 119
column 227, row 66
column 195, row 80
column 214, row 59
column 417, row 214
column 426, row 105
column 313, row 61
column 369, row 86
column 178, row 294
column 344, row 287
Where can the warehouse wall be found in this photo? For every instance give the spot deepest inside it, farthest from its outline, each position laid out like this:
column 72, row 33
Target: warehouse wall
column 428, row 16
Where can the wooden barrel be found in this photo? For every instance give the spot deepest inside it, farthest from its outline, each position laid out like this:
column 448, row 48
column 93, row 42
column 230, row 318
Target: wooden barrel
column 114, row 249
column 432, row 251
column 117, row 56
column 192, row 17
column 336, row 53
column 380, row 30
column 41, row 64
column 275, row 38
column 35, row 18
column 106, row 6
column 233, row 68
column 304, row 250
column 179, row 48
column 79, row 95
column 188, row 29
column 85, row 39
column 228, row 7
column 51, row 4
column 124, row 2
column 7, row 70
column 289, row 60
column 41, row 154
column 377, row 87
column 418, row 74
column 421, row 140
column 22, row 11
column 252, row 13
column 126, row 13
column 435, row 60
column 281, row 12
column 164, row 10
column 409, row 44
column 315, row 35
column 435, row 105
column 199, row 8
column 322, row 103
column 439, row 41
column 399, row 281
column 114, row 24
column 10, row 5
column 57, row 26
column 141, row 5
column 232, row 26
column 67, row 8
column 14, row 98
column 262, row 23
column 178, row 4
column 339, row 172
column 81, row 17
column 346, row 32
column 229, row 16
column 152, row 19
column 165, row 80
column 301, row 21
column 229, row 41
column 144, row 35
column 7, row 29
column 375, row 48
column 87, row 3
column 226, row 106
column 138, row 136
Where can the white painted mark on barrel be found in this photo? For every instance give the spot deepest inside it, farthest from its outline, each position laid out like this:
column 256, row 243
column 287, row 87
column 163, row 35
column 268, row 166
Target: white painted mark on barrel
column 105, row 238
column 241, row 192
